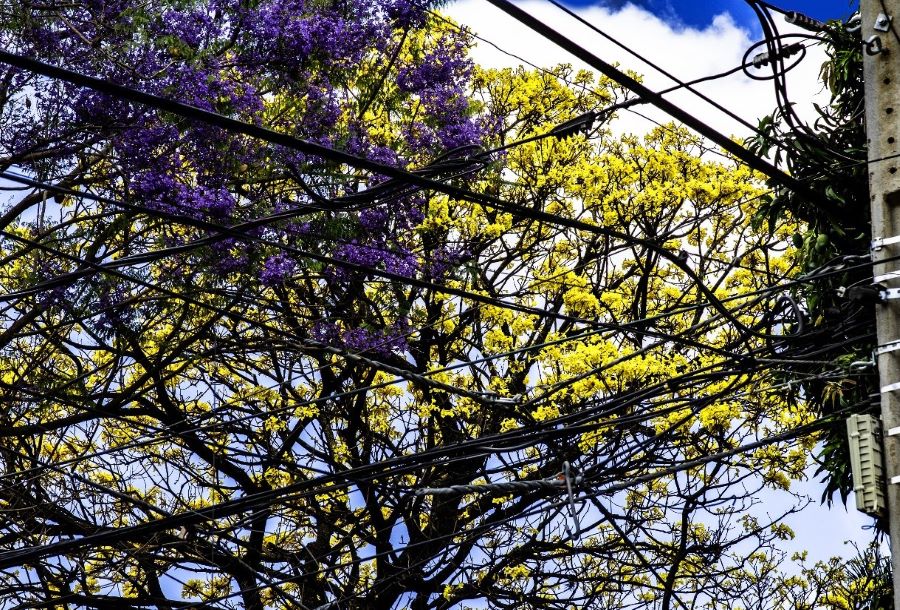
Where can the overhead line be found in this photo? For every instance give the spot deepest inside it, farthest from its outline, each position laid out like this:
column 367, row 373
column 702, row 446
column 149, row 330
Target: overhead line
column 680, row 84
column 304, row 146
column 110, row 536
column 235, row 505
column 753, row 161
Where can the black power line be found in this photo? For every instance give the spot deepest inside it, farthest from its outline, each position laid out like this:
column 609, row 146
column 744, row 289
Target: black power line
column 753, row 161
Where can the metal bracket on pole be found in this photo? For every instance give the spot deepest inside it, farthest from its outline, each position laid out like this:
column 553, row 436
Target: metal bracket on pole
column 890, row 294
column 891, row 275
column 891, row 387
column 879, row 242
column 882, row 23
column 891, row 346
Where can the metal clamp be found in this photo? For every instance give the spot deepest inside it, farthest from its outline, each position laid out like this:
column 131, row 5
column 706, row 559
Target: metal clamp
column 854, row 24
column 882, row 23
column 891, row 275
column 891, row 346
column 507, row 401
column 879, row 242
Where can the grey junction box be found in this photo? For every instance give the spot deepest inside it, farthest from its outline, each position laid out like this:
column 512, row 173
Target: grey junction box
column 865, row 436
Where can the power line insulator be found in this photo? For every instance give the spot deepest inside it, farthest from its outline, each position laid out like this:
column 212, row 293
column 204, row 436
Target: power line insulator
column 763, row 59
column 804, row 21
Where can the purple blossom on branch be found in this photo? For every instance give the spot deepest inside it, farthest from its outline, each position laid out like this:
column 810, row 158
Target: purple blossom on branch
column 372, row 341
column 276, row 270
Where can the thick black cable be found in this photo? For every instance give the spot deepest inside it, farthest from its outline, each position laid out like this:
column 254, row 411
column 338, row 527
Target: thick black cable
column 687, row 308
column 13, row 558
column 809, row 428
column 750, row 159
column 679, row 83
column 244, row 503
column 517, row 210
column 240, row 232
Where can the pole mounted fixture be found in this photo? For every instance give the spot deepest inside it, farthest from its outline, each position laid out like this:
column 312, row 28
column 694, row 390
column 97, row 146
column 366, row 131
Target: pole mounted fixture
column 864, row 436
column 583, row 124
column 881, row 72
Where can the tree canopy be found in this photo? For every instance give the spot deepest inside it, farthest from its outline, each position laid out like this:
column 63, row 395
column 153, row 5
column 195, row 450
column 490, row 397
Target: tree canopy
column 240, row 375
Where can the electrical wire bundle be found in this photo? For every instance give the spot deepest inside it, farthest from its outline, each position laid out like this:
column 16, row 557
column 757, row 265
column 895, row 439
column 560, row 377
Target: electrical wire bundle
column 273, row 444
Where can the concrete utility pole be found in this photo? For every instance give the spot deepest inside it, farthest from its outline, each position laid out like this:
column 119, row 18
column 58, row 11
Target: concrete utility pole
column 881, row 68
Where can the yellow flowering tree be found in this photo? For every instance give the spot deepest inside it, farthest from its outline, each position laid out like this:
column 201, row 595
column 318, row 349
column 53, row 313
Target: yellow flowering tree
column 560, row 389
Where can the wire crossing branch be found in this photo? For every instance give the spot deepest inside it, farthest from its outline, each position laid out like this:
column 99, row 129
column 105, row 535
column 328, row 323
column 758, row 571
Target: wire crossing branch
column 882, row 89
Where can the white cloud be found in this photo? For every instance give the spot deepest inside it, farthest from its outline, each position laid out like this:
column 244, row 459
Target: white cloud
column 687, row 53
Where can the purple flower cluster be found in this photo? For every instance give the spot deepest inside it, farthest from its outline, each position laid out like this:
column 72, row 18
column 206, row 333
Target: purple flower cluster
column 373, row 341
column 276, row 270
column 160, row 190
column 110, row 313
column 444, row 259
column 298, row 66
column 440, row 81
column 229, row 256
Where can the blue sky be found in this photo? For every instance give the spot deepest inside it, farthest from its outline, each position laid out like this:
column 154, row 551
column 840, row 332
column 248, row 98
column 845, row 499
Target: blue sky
column 700, row 14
